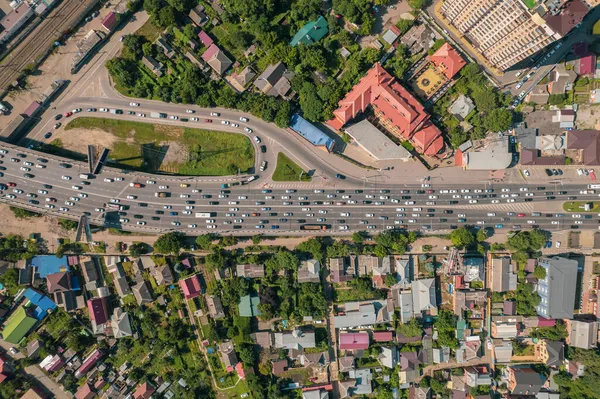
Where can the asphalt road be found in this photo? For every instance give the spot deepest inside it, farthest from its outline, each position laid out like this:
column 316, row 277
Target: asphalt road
column 341, row 210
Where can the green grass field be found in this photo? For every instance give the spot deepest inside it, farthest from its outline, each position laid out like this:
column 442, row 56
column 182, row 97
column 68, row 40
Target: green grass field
column 173, row 149
column 529, row 3
column 577, row 206
column 288, row 170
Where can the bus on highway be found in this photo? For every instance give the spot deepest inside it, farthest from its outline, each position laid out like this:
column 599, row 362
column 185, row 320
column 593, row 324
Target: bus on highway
column 204, row 215
column 593, row 185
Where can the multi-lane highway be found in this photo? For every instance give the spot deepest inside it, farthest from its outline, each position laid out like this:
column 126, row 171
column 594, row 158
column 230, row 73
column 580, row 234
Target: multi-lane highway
column 55, row 186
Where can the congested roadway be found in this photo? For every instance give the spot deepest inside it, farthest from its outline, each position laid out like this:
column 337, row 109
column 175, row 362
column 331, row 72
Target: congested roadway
column 56, row 188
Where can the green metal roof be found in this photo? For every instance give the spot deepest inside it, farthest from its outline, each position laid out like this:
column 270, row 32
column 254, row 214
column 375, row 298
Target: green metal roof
column 248, row 306
column 312, row 32
column 17, row 326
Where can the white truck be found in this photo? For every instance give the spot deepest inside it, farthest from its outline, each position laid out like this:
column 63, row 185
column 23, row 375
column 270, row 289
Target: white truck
column 159, row 115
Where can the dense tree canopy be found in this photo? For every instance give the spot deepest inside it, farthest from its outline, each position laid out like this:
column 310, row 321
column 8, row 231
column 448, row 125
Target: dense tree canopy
column 169, row 243
column 462, row 237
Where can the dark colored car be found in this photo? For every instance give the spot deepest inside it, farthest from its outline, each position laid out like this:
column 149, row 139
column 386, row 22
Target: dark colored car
column 340, row 176
column 263, row 149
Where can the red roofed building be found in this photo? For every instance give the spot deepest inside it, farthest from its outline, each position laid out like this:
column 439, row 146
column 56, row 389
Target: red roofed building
column 447, row 60
column 88, row 363
column 543, row 322
column 110, row 21
column 85, row 392
column 191, row 287
column 382, row 336
column 586, row 65
column 143, row 391
column 3, row 377
column 239, row 369
column 205, row 39
column 397, row 110
column 98, row 310
column 353, row 341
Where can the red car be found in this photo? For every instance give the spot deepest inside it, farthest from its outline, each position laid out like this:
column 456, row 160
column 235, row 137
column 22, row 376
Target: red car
column 521, row 215
column 11, row 184
column 51, row 199
column 208, row 120
column 67, row 114
column 430, row 191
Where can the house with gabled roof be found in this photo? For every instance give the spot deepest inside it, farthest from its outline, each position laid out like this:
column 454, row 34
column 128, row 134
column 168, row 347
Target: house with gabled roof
column 447, row 59
column 295, row 339
column 163, row 275
column 409, row 367
column 154, row 66
column 388, row 356
column 217, row 59
column 311, row 32
column 424, row 297
column 191, row 286
column 309, row 271
column 341, row 270
column 314, row 359
column 346, row 363
column 144, row 391
column 354, row 340
column 250, row 271
column 142, row 293
column 228, row 355
column 121, row 326
column 99, row 316
column 215, row 307
column 275, row 81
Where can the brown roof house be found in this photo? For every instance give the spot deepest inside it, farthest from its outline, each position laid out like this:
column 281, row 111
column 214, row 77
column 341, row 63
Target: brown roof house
column 538, row 95
column 524, row 380
column 503, row 278
column 197, row 15
column 241, row 80
column 587, row 142
column 215, row 307
column 250, row 271
column 275, row 81
column 60, row 289
column 561, row 79
column 154, row 66
column 341, row 269
column 228, row 356
column 409, row 367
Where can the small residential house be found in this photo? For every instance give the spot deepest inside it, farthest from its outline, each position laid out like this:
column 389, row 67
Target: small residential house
column 354, row 341
column 524, row 380
column 424, row 297
column 552, row 353
column 144, row 391
column 417, row 392
column 296, row 339
column 275, row 81
column 197, row 15
column 99, row 316
column 228, row 355
column 142, row 293
column 539, row 95
column 215, row 307
column 191, row 286
column 309, row 271
column 250, row 271
column 85, row 392
column 311, row 32
column 121, row 326
column 418, row 38
column 60, row 288
column 217, row 59
column 164, row 46
column 582, row 333
column 587, row 144
column 561, row 79
column 462, row 107
column 163, row 275
column 388, row 356
column 503, row 278
column 409, row 367
column 391, row 35
column 382, row 269
column 364, row 313
column 154, row 66
column 341, row 270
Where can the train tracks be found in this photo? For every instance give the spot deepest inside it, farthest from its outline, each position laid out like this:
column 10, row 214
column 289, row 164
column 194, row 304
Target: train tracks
column 39, row 42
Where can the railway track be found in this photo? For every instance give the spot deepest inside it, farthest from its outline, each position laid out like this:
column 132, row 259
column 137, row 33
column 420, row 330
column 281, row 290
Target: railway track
column 63, row 17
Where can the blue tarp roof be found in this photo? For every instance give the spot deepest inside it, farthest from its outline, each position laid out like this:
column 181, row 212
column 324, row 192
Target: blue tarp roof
column 310, row 132
column 42, row 303
column 49, row 264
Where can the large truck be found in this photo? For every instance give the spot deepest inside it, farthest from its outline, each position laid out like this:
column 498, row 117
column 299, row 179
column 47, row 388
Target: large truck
column 159, row 115
column 110, row 205
column 204, row 215
column 314, row 227
column 115, row 111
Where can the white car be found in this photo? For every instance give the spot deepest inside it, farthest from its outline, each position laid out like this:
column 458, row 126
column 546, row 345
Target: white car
column 305, row 209
column 369, row 215
column 491, row 214
column 472, row 201
column 187, row 212
column 495, row 201
column 523, row 189
column 555, row 222
column 235, row 125
column 580, row 172
column 345, row 214
column 167, row 207
column 234, row 209
column 132, row 197
column 184, row 196
column 505, row 190
column 211, row 226
column 141, row 115
column 433, row 197
column 189, row 111
column 134, row 104
column 173, row 117
column 66, row 177
column 108, row 180
column 11, row 196
column 215, row 114
column 141, row 222
column 425, row 185
column 150, row 182
column 247, row 130
column 529, row 195
column 40, row 166
column 557, row 244
column 27, row 164
column 63, row 209
column 25, row 169
column 257, row 139
column 576, row 216
column 18, row 191
column 343, row 227
column 242, row 197
column 189, row 207
column 224, row 122
column 70, row 203
column 244, row 119
column 323, row 212
column 194, row 119
column 103, row 109
column 510, row 200
column 43, row 192
column 461, row 215
column 50, row 206
column 76, row 110
column 192, row 226
column 99, row 210
column 74, row 199
column 465, row 190
column 163, row 187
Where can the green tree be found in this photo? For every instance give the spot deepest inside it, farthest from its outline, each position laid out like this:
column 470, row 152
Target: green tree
column 21, row 213
column 462, row 237
column 136, row 249
column 228, row 241
column 311, row 301
column 124, row 71
column 499, row 119
column 390, row 279
column 134, row 46
column 169, row 243
column 418, row 4
column 67, row 224
column 256, row 239
column 446, row 327
column 148, row 49
column 358, row 237
column 314, row 246
column 539, row 273
column 247, row 355
column 311, row 104
column 411, row 329
column 482, row 235
column 10, row 280
column 205, row 241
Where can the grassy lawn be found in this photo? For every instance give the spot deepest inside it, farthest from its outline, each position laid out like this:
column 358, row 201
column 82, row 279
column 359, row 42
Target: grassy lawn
column 287, row 170
column 173, row 149
column 149, row 31
column 577, row 206
column 529, row 3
